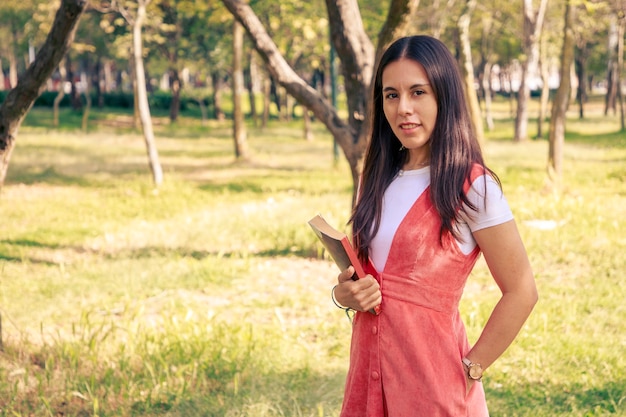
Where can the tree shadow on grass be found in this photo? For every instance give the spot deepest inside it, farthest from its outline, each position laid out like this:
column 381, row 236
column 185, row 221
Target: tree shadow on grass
column 28, row 244
column 615, row 139
column 79, row 174
column 145, row 252
column 48, row 175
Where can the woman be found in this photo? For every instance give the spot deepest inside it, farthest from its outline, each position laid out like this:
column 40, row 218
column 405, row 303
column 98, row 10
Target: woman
column 427, row 207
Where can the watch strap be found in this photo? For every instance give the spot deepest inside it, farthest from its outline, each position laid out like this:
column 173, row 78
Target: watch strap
column 469, row 364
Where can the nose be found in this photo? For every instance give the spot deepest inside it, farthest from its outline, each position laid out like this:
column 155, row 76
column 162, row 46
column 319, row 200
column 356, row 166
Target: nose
column 404, row 105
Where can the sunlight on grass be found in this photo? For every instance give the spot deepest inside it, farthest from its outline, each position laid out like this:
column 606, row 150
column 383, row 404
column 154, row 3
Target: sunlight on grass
column 211, row 296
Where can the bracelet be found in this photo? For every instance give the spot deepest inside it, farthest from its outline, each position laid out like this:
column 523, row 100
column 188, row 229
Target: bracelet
column 332, row 296
column 348, row 310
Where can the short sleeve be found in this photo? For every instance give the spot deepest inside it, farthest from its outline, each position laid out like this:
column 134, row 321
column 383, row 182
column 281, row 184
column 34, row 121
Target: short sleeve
column 490, row 211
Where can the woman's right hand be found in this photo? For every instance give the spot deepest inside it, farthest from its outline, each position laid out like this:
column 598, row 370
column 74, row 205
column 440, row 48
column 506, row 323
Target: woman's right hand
column 360, row 295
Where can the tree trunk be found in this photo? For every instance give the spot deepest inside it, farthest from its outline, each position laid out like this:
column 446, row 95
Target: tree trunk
column 308, row 133
column 467, row 68
column 60, row 94
column 142, row 96
column 612, row 68
column 218, row 109
column 620, row 64
column 290, row 106
column 251, row 82
column 545, row 97
column 1, row 76
column 203, row 111
column 75, row 100
column 487, row 93
column 533, row 24
column 87, row 106
column 485, row 67
column 438, row 21
column 357, row 54
column 239, row 125
column 108, row 76
column 561, row 100
column 13, row 76
column 580, row 63
column 96, row 82
column 133, row 70
column 267, row 102
column 275, row 98
column 29, row 86
column 176, row 86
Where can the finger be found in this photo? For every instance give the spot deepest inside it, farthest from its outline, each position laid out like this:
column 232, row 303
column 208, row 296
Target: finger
column 372, row 300
column 346, row 275
column 368, row 284
column 367, row 293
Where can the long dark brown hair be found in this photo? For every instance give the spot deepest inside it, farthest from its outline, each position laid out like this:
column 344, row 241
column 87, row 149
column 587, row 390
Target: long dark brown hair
column 454, row 148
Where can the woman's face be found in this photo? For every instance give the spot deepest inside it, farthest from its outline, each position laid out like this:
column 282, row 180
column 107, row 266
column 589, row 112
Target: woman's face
column 409, row 105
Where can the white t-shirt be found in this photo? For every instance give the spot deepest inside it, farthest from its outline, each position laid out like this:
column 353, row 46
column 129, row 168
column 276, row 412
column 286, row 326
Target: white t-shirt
column 409, row 185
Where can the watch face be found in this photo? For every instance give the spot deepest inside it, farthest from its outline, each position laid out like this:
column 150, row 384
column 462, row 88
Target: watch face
column 475, row 371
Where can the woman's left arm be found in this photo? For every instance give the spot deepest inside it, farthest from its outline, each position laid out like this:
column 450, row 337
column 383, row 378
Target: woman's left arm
column 508, row 262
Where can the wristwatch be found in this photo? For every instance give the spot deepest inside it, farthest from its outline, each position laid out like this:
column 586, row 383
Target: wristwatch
column 474, row 370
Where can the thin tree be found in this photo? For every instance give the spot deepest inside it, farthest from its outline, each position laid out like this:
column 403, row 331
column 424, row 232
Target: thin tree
column 60, row 94
column 621, row 28
column 141, row 91
column 485, row 66
column 32, row 82
column 561, row 99
column 545, row 88
column 467, row 67
column 251, row 79
column 239, row 126
column 171, row 47
column 533, row 24
column 610, row 100
column 87, row 94
column 2, row 81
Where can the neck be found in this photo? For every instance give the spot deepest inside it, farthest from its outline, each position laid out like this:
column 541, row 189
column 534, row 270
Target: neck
column 415, row 165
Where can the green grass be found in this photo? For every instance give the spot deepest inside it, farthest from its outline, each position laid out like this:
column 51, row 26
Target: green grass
column 211, row 296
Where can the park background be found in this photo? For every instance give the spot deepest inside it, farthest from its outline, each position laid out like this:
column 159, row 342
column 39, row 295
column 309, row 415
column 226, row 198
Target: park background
column 204, row 292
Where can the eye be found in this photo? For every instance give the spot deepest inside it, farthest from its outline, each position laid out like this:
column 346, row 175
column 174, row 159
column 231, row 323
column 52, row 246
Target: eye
column 390, row 96
column 419, row 92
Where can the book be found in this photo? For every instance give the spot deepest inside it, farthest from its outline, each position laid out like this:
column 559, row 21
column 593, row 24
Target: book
column 340, row 249
column 338, row 246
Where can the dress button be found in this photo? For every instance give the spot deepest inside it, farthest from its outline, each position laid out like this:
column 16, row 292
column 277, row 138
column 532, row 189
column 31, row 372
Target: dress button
column 374, row 330
column 375, row 375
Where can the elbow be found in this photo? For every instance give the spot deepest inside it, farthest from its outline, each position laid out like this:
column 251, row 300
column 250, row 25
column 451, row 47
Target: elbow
column 527, row 294
column 534, row 299
column 532, row 296
column 526, row 301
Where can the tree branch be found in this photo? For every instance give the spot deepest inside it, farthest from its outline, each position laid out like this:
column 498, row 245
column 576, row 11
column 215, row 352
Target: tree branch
column 285, row 75
column 32, row 82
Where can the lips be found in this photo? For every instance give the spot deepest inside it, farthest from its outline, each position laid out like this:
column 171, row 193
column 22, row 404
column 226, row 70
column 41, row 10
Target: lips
column 408, row 126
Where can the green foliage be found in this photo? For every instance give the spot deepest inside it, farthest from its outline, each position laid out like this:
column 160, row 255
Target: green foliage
column 119, row 100
column 211, row 296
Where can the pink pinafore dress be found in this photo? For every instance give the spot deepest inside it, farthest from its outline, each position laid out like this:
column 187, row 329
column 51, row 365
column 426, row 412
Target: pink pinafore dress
column 406, row 362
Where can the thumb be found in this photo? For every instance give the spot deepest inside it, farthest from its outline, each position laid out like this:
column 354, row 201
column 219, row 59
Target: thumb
column 346, row 274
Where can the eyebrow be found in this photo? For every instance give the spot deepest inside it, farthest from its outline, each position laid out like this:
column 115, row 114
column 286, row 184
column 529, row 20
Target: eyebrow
column 410, row 88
